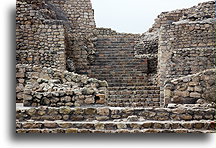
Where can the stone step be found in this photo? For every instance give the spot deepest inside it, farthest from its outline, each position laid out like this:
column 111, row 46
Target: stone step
column 119, row 72
column 108, row 74
column 134, row 104
column 135, row 88
column 127, row 69
column 144, row 96
column 112, row 113
column 119, row 62
column 135, row 92
column 132, row 99
column 127, row 84
column 116, row 127
column 104, row 47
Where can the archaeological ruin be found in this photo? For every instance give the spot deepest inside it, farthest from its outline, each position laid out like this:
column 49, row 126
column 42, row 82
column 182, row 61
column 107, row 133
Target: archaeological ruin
column 72, row 77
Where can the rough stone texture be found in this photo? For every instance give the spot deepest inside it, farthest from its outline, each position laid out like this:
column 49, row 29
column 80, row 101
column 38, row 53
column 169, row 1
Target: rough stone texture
column 183, row 51
column 200, row 12
column 190, row 89
column 72, row 77
column 52, row 87
column 180, row 113
column 41, row 45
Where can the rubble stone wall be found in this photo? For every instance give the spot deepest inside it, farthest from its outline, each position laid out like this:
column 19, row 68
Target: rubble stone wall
column 52, row 87
column 200, row 12
column 196, row 88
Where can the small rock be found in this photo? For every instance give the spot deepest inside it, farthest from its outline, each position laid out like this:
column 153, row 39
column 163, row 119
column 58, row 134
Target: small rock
column 99, row 126
column 27, row 97
column 201, row 101
column 103, row 111
column 90, row 111
column 31, row 111
column 186, row 117
column 195, row 95
column 89, row 100
column 132, row 118
column 50, row 125
column 87, row 91
column 65, row 110
column 71, row 130
column 172, row 105
column 103, row 83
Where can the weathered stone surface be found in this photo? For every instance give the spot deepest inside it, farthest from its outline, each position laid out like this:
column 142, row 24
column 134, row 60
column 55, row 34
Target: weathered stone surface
column 133, row 118
column 90, row 111
column 50, row 125
column 103, row 111
column 65, row 110
column 186, row 117
column 195, row 95
column 173, row 62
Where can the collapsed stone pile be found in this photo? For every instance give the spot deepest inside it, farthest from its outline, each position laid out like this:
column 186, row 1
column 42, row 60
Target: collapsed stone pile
column 63, row 88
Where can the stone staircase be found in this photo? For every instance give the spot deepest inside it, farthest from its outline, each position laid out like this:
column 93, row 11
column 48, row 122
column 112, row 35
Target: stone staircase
column 116, row 64
column 127, row 76
column 134, row 96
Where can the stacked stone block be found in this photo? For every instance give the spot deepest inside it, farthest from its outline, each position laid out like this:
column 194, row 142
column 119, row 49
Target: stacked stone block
column 128, row 114
column 196, row 88
column 186, row 48
column 41, row 45
column 202, row 11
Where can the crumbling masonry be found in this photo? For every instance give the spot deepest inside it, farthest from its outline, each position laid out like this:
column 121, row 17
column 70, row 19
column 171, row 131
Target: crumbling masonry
column 73, row 77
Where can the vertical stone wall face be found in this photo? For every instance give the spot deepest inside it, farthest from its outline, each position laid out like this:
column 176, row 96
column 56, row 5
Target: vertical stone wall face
column 79, row 45
column 197, row 88
column 186, row 49
column 79, row 13
column 77, row 20
column 202, row 11
column 41, row 45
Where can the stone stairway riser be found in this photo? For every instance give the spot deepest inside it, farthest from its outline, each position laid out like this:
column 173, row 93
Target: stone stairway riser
column 105, row 114
column 111, row 126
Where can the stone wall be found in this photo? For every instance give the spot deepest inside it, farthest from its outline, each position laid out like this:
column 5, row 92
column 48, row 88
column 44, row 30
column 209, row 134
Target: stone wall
column 186, row 49
column 75, row 17
column 53, row 87
column 78, row 12
column 79, row 35
column 53, row 33
column 41, row 45
column 147, row 48
column 200, row 12
column 181, row 113
column 196, row 88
